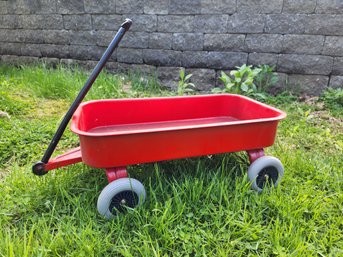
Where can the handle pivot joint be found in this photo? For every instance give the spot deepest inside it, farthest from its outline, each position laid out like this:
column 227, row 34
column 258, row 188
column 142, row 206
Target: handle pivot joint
column 39, row 169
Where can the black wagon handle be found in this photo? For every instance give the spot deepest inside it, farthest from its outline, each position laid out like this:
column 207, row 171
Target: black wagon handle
column 39, row 167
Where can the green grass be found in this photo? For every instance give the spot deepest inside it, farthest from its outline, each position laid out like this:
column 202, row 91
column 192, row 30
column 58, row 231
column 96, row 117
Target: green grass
column 195, row 207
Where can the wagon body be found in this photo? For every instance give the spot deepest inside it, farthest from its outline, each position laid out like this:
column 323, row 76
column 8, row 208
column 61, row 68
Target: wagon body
column 122, row 132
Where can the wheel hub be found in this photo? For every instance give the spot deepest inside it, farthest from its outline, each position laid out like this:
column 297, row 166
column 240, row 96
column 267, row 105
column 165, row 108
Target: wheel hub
column 123, row 199
column 267, row 176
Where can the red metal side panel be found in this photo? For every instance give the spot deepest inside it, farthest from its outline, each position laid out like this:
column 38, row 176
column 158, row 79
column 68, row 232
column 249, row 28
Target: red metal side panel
column 122, row 150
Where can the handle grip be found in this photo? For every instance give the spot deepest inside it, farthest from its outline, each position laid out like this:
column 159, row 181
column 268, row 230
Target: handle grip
column 39, row 167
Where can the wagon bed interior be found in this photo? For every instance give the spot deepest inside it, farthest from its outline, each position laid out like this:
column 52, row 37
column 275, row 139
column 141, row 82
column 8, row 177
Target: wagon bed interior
column 150, row 126
column 126, row 116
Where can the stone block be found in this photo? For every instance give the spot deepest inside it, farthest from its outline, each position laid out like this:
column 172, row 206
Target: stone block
column 175, row 23
column 26, row 36
column 203, row 79
column 162, row 57
column 156, row 7
column 77, row 22
column 260, row 6
column 305, row 64
column 168, row 76
column 59, row 37
column 218, row 6
column 9, row 21
column 303, row 44
column 324, row 24
column 83, row 38
column 184, row 7
column 86, row 64
column 129, row 55
column 160, row 40
column 53, row 21
column 30, row 50
column 10, row 36
column 208, row 23
column 117, row 67
column 103, row 38
column 286, row 23
column 100, row 6
column 144, row 69
column 44, row 6
column 82, row 64
column 106, row 22
column 333, row 46
column 188, row 41
column 10, row 48
column 336, row 82
column 226, row 60
column 196, row 59
column 19, row 60
column 330, row 6
column 4, row 7
column 80, row 52
column 66, row 62
column 55, row 51
column 31, row 6
column 265, row 43
column 224, row 42
column 308, row 84
column 50, row 62
column 245, row 23
column 338, row 66
column 263, row 58
column 70, row 6
column 298, row 6
column 143, row 23
column 135, row 40
column 129, row 6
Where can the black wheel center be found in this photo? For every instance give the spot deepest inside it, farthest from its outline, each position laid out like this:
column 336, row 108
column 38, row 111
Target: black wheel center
column 268, row 175
column 126, row 198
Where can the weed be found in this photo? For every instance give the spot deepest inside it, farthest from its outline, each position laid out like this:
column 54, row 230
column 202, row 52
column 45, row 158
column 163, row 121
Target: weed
column 240, row 81
column 333, row 99
column 249, row 81
column 184, row 86
column 266, row 78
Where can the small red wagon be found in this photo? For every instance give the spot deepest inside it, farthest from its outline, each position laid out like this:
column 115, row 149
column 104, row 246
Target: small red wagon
column 120, row 132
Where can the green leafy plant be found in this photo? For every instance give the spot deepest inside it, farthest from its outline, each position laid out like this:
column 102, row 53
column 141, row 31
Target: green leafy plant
column 240, row 81
column 184, row 86
column 333, row 98
column 249, row 81
column 266, row 78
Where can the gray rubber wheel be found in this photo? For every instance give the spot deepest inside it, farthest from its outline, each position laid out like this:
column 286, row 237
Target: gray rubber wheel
column 266, row 170
column 121, row 193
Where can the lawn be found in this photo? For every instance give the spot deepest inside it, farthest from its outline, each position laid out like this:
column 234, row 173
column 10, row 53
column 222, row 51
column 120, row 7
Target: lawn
column 195, row 207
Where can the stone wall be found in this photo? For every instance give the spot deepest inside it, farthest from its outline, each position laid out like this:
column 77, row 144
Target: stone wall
column 302, row 38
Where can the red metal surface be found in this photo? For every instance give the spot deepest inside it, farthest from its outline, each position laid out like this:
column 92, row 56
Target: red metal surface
column 116, row 173
column 121, row 132
column 255, row 154
column 68, row 158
